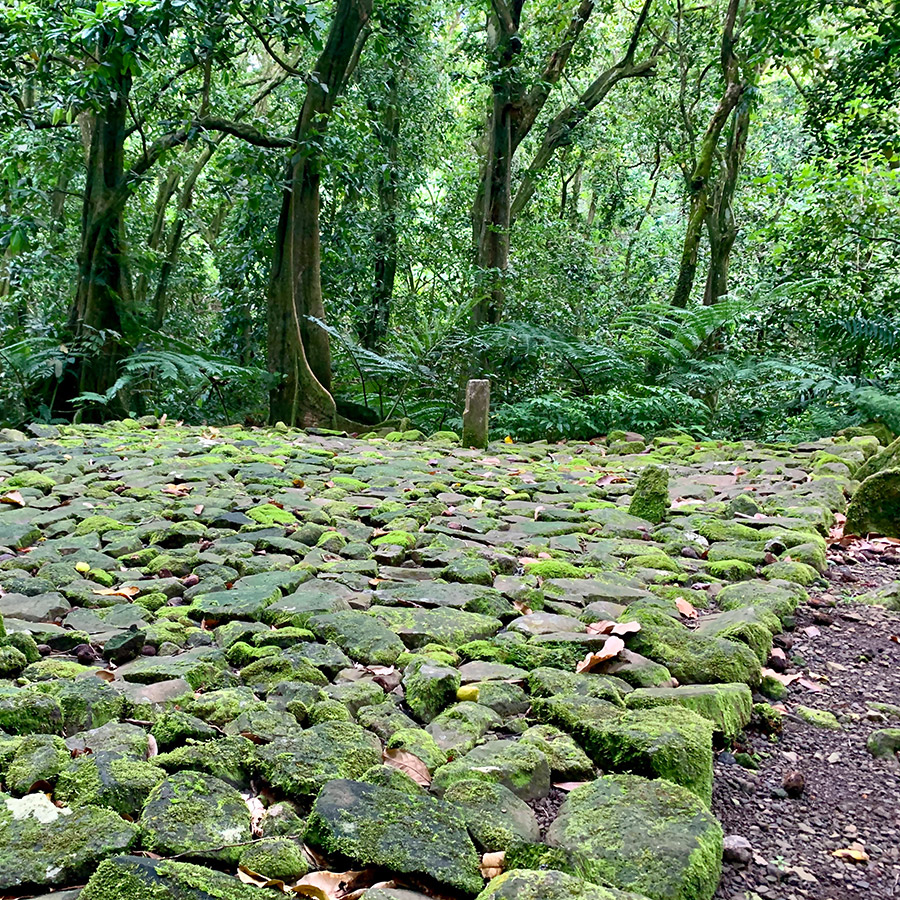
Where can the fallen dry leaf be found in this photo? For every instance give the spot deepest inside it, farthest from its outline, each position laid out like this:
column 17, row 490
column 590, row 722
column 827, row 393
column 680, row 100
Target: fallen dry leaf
column 177, row 490
column 686, row 608
column 198, row 509
column 605, row 626
column 786, row 680
column 613, row 647
column 854, row 854
column 127, row 591
column 492, row 864
column 569, row 785
column 13, row 498
column 327, row 885
column 410, row 764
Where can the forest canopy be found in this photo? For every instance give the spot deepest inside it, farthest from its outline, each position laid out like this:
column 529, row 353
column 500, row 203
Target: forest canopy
column 642, row 215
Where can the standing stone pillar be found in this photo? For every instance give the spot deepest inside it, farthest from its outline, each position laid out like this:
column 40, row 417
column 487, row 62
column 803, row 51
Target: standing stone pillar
column 475, row 417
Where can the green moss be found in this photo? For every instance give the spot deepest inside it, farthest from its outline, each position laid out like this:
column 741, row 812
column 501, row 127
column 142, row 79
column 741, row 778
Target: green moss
column 404, row 539
column 421, row 744
column 768, row 719
column 269, row 514
column 727, row 706
column 651, row 837
column 821, row 718
column 788, row 570
column 275, row 858
column 650, row 500
column 100, row 525
column 552, row 568
column 34, row 480
column 718, row 530
column 654, row 561
column 108, row 780
column 730, row 570
column 12, row 662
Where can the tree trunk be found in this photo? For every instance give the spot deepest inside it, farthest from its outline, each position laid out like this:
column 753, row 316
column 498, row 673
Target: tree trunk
column 721, row 226
column 103, row 307
column 374, row 329
column 299, row 350
column 699, row 182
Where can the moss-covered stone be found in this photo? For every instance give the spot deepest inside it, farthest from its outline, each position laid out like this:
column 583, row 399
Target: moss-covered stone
column 876, row 504
column 652, row 837
column 495, row 816
column 520, row 767
column 691, row 657
column 373, row 825
column 727, row 706
column 228, row 758
column 109, row 780
column 197, row 815
column 162, row 879
column 568, row 762
column 42, row 844
column 821, row 718
column 650, row 500
column 884, row 743
column 429, row 688
column 300, row 766
column 38, row 758
column 529, row 884
column 664, row 742
column 789, row 570
column 276, row 858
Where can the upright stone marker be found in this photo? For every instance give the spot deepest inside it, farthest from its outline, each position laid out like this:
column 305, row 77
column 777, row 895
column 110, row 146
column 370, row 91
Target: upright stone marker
column 475, row 416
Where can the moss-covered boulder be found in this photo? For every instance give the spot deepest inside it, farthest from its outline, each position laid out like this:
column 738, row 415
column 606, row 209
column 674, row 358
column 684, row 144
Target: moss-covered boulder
column 650, row 500
column 300, row 766
column 530, row 884
column 652, row 837
column 445, row 626
column 661, row 742
column 518, row 766
column 230, row 759
column 197, row 815
column 109, row 780
column 43, row 844
column 727, row 706
column 457, row 729
column 876, row 504
column 163, row 879
column 412, row 835
column 429, row 688
column 38, row 758
column 362, row 637
column 888, row 458
column 275, row 858
column 691, row 657
column 495, row 816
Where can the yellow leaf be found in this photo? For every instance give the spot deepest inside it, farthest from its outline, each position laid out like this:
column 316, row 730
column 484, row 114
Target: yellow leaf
column 507, row 440
column 855, row 854
column 13, row 498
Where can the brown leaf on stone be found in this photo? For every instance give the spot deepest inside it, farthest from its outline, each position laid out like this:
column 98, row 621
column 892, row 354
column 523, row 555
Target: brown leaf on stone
column 328, row 885
column 177, row 490
column 13, row 498
column 569, row 785
column 408, row 763
column 686, row 608
column 605, row 626
column 523, row 607
column 198, row 509
column 613, row 647
column 105, row 675
column 854, row 853
column 492, row 864
column 127, row 591
column 152, row 747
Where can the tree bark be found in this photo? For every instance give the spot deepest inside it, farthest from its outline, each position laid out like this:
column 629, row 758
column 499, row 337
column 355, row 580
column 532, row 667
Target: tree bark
column 512, row 115
column 699, row 182
column 298, row 349
column 721, row 226
column 103, row 307
column 375, row 327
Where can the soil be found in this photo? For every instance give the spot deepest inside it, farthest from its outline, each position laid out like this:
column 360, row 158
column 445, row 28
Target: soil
column 850, row 799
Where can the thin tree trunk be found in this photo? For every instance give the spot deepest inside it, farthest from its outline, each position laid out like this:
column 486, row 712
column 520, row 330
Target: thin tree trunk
column 721, row 226
column 103, row 303
column 375, row 327
column 299, row 351
column 168, row 184
column 700, row 177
